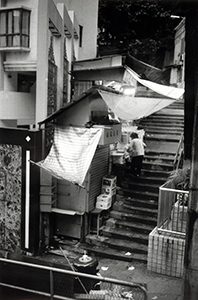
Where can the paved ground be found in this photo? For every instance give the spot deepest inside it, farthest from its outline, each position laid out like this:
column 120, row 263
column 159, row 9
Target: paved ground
column 159, row 287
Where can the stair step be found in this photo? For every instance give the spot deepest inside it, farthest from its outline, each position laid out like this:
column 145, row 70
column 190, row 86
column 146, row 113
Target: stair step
column 161, row 148
column 156, row 173
column 127, row 246
column 115, row 254
column 158, row 158
column 146, row 180
column 138, row 194
column 164, row 121
column 162, row 137
column 140, row 211
column 163, row 131
column 143, row 203
column 160, row 124
column 177, row 106
column 161, row 116
column 170, row 111
column 141, row 187
column 119, row 233
column 149, row 130
column 132, row 218
column 155, row 180
column 157, row 166
column 159, row 153
column 149, row 177
column 150, row 126
column 134, row 226
column 137, row 210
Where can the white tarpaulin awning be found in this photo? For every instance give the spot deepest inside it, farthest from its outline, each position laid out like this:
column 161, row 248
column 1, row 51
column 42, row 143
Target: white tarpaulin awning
column 71, row 153
column 167, row 91
column 133, row 108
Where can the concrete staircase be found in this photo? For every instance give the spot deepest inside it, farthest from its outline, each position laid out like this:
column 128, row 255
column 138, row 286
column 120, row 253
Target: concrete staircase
column 134, row 213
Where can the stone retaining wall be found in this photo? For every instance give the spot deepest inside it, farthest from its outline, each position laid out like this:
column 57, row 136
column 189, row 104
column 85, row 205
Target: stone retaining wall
column 10, row 197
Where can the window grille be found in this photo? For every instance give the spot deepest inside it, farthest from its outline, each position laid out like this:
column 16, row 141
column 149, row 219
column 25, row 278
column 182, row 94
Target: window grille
column 15, row 28
column 52, row 81
column 65, row 75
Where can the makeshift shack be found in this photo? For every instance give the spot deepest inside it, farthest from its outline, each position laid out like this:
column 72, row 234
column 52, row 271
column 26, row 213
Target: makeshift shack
column 72, row 172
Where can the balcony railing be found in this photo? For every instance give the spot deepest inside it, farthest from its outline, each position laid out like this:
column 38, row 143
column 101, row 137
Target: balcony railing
column 172, row 209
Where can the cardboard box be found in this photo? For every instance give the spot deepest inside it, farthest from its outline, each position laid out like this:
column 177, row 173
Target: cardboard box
column 118, row 158
column 109, row 180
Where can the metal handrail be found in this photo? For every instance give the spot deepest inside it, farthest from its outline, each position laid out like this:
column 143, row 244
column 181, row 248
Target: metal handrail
column 165, row 206
column 68, row 272
column 179, row 152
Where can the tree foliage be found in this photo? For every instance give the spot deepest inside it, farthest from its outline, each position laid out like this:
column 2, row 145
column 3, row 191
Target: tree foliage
column 140, row 26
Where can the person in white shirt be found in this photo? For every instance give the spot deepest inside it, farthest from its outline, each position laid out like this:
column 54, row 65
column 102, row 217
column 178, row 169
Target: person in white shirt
column 136, row 152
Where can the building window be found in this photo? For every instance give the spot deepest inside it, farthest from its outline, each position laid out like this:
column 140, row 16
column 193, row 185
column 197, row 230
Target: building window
column 15, row 28
column 81, row 35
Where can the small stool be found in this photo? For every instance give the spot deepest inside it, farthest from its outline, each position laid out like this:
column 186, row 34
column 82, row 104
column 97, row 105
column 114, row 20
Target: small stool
column 97, row 212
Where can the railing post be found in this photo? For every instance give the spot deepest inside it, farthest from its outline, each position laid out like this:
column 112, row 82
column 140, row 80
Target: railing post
column 159, row 208
column 51, row 284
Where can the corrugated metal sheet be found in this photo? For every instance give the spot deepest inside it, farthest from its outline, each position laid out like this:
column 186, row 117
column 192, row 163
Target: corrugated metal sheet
column 99, row 168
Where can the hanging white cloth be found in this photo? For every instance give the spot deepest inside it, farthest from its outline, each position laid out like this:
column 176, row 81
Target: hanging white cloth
column 71, row 153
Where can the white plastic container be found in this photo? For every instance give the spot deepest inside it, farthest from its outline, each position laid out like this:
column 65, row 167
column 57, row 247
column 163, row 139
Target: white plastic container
column 108, row 191
column 109, row 180
column 103, row 201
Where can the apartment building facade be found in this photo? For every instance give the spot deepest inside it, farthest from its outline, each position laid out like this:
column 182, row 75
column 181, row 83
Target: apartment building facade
column 39, row 40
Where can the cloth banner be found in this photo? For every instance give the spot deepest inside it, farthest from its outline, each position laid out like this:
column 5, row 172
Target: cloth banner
column 71, row 153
